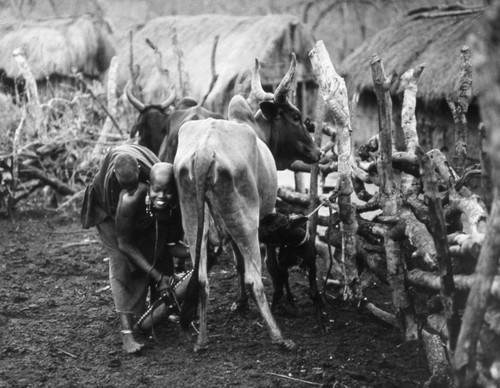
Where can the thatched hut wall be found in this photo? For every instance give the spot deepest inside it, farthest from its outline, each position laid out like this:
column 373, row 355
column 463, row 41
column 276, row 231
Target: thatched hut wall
column 433, row 37
column 58, row 47
column 269, row 38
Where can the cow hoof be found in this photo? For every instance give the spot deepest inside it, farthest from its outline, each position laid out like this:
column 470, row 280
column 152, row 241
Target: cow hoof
column 198, row 348
column 239, row 307
column 287, row 344
column 286, row 309
column 186, row 336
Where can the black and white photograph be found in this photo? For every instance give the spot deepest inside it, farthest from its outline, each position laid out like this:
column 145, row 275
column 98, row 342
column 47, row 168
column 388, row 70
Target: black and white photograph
column 265, row 193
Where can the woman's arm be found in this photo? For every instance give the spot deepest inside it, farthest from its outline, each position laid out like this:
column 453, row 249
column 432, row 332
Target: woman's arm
column 179, row 250
column 130, row 205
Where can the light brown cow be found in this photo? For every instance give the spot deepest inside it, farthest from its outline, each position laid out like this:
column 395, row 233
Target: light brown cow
column 231, row 166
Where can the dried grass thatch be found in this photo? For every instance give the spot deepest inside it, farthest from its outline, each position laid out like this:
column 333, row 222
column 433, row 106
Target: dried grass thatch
column 270, row 38
column 58, row 46
column 434, row 37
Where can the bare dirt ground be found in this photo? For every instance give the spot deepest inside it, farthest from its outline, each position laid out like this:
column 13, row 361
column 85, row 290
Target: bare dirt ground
column 58, row 327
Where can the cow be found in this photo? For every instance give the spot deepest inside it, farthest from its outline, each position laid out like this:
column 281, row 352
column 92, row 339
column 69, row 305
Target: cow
column 157, row 129
column 152, row 123
column 226, row 171
column 291, row 235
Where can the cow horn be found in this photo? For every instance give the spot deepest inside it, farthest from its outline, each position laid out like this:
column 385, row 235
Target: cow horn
column 169, row 101
column 257, row 90
column 283, row 89
column 134, row 101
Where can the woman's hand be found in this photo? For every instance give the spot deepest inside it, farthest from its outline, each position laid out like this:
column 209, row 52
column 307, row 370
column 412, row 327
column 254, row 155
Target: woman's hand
column 164, row 285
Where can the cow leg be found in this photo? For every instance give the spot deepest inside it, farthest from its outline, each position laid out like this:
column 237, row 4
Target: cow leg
column 315, row 295
column 242, row 303
column 291, row 306
column 253, row 279
column 308, row 252
column 204, row 291
column 286, row 257
column 277, row 276
column 186, row 195
column 202, row 341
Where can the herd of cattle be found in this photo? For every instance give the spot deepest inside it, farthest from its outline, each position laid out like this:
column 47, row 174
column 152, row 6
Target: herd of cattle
column 226, row 175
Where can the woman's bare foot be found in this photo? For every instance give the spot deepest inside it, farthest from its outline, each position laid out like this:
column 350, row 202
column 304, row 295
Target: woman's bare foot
column 130, row 345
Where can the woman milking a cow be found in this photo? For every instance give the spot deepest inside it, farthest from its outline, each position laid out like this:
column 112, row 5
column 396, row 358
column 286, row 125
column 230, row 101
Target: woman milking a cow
column 133, row 204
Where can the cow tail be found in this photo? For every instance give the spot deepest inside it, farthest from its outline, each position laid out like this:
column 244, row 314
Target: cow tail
column 190, row 306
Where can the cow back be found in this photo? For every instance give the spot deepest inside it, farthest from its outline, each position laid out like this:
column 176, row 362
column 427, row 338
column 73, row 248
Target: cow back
column 242, row 179
column 170, row 143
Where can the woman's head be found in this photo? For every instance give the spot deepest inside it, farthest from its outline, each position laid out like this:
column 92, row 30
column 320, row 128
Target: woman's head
column 127, row 171
column 162, row 190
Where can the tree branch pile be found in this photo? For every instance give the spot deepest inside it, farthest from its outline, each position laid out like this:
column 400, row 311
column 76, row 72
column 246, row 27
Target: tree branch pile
column 59, row 158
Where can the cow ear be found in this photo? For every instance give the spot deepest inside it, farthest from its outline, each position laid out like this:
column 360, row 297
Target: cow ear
column 298, row 221
column 134, row 130
column 269, row 109
column 271, row 223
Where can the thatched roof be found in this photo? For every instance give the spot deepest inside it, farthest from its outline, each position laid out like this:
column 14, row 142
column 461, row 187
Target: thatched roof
column 269, row 38
column 58, row 46
column 431, row 36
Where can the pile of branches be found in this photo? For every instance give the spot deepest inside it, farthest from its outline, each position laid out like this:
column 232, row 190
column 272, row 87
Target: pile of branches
column 53, row 151
column 432, row 239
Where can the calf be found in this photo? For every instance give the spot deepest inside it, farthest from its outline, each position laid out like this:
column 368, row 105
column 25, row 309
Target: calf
column 290, row 235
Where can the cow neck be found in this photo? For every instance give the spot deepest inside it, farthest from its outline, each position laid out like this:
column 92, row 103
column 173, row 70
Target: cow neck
column 270, row 134
column 278, row 147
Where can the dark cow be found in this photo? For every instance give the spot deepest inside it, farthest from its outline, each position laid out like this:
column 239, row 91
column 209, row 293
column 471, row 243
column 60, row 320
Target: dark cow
column 152, row 123
column 290, row 235
column 157, row 129
column 231, row 166
column 185, row 111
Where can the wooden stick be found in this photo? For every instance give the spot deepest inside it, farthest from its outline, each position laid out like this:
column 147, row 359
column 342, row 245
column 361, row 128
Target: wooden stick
column 215, row 76
column 432, row 281
column 459, row 107
column 131, row 59
column 409, row 82
column 35, row 173
column 390, row 200
column 295, row 379
column 382, row 315
column 410, row 184
column 88, row 89
column 78, row 244
column 73, row 198
column 32, row 91
column 441, row 373
column 66, row 353
column 313, row 183
column 183, row 77
column 434, row 15
column 334, row 92
column 159, row 61
column 293, row 196
column 486, row 183
column 15, row 162
column 442, row 251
